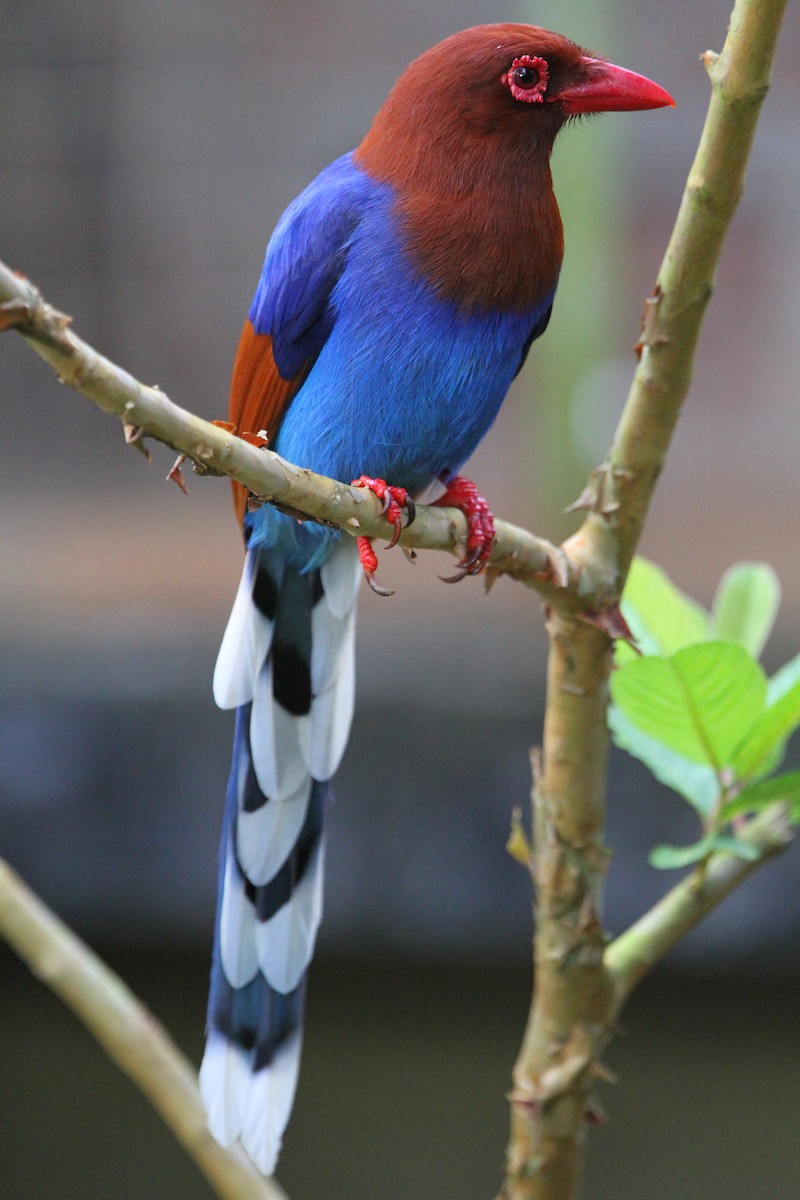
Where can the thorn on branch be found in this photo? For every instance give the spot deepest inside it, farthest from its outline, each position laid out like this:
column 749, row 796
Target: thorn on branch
column 611, row 622
column 202, row 456
column 525, row 1101
column 518, row 845
column 176, row 475
column 33, row 316
column 594, row 1113
column 599, row 1070
column 13, row 314
column 558, row 567
column 709, row 59
column 585, row 502
column 134, row 436
column 592, row 498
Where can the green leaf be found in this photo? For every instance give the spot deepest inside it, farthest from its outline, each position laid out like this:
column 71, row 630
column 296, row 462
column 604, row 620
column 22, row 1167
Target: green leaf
column 769, row 763
column 768, row 733
column 783, row 680
column 697, row 703
column 779, row 789
column 668, row 858
column 777, row 687
column 746, row 605
column 696, row 782
column 662, row 618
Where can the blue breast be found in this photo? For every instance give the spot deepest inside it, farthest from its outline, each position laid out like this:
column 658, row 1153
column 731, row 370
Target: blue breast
column 405, row 386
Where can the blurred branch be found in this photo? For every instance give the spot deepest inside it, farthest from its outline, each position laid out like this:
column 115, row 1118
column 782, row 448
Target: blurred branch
column 579, row 989
column 128, row 1033
column 148, row 412
column 673, row 315
column 636, row 951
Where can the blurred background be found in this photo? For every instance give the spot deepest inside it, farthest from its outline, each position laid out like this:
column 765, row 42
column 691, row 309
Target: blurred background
column 147, row 151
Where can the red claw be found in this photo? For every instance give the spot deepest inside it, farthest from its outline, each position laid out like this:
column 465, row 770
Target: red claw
column 462, row 493
column 395, row 499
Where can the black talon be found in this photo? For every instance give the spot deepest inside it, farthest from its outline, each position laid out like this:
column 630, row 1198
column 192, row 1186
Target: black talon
column 395, row 536
column 471, row 564
column 376, row 587
column 454, row 578
column 411, row 509
column 471, row 560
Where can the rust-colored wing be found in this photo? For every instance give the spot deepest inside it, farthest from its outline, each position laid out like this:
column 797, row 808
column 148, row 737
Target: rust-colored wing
column 259, row 396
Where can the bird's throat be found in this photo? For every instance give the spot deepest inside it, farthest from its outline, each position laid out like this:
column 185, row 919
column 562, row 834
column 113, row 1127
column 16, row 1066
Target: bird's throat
column 482, row 250
column 477, row 214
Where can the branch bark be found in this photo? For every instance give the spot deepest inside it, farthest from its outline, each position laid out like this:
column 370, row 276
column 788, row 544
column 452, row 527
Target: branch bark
column 128, row 1033
column 579, row 989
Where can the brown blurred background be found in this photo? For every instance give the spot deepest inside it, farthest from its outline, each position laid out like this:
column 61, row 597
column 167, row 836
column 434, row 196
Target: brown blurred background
column 147, row 150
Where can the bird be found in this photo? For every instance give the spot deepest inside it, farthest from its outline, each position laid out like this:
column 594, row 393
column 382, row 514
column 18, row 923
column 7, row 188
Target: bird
column 399, row 297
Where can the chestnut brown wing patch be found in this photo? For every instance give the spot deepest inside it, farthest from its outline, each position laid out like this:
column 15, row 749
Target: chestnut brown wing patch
column 259, row 395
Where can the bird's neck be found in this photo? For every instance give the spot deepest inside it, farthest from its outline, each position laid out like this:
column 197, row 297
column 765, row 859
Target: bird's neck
column 478, row 216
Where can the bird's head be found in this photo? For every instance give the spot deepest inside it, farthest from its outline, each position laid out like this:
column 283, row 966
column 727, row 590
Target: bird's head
column 511, row 83
column 464, row 139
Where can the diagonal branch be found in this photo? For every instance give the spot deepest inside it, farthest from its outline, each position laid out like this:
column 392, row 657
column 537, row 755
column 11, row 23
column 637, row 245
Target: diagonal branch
column 636, row 951
column 148, row 412
column 673, row 315
column 129, row 1034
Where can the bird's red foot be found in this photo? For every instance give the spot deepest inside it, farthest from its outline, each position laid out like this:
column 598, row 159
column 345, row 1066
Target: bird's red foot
column 369, row 562
column 395, row 499
column 462, row 493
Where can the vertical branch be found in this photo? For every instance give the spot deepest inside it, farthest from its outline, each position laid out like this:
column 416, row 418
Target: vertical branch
column 575, row 999
column 566, row 1027
column 673, row 315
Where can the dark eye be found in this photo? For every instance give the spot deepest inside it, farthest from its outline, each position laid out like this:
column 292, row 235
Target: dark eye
column 527, row 78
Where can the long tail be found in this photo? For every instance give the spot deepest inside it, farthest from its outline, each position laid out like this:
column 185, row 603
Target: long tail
column 287, row 665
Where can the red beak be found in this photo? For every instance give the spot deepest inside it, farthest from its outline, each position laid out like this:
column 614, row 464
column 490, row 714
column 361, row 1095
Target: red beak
column 606, row 88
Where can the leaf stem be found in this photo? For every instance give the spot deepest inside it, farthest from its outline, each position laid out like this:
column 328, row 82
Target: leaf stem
column 636, row 951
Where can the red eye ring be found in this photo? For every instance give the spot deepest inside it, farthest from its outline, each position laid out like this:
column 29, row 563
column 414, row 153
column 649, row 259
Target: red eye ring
column 527, row 78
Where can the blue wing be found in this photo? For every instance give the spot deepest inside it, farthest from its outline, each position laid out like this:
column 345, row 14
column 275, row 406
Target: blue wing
column 305, row 258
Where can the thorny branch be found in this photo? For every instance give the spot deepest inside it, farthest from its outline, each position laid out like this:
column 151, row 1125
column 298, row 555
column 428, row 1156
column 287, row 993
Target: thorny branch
column 146, row 412
column 580, row 984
